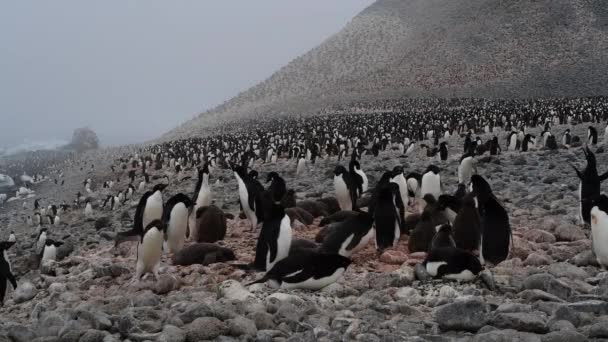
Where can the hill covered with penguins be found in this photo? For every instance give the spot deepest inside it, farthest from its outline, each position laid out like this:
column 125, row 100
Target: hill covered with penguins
column 440, row 48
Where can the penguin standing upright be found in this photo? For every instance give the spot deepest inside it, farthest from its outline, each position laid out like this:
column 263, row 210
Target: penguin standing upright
column 356, row 168
column 495, row 227
column 150, row 208
column 250, row 191
column 467, row 225
column 443, row 237
column 88, row 209
column 202, row 196
column 466, row 168
column 599, row 229
column 495, row 147
column 443, row 151
column 277, row 187
column 345, row 189
column 431, row 182
column 275, row 237
column 386, row 216
column 6, row 271
column 149, row 249
column 589, row 187
column 301, row 164
column 49, row 251
column 413, row 183
column 567, row 138
column 592, row 136
column 40, row 240
column 398, row 178
column 176, row 220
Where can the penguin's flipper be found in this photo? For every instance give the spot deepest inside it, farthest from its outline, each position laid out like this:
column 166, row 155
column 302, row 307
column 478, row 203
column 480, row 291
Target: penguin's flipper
column 604, row 176
column 262, row 280
column 2, row 290
column 578, row 173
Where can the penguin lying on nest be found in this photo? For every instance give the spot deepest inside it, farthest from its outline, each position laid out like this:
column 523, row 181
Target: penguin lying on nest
column 306, row 270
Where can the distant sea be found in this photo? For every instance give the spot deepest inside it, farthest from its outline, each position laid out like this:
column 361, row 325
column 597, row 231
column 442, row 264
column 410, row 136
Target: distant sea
column 28, row 146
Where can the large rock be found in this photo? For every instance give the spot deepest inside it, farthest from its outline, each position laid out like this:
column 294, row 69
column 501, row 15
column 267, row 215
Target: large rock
column 467, row 315
column 508, row 335
column 172, row 333
column 241, row 326
column 205, row 328
column 24, row 292
column 569, row 233
column 564, row 336
column 233, row 290
column 546, row 282
column 534, row 322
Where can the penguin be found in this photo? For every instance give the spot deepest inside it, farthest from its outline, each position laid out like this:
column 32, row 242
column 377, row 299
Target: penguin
column 599, row 229
column 431, row 182
column 36, row 220
column 345, row 189
column 461, row 191
column 275, row 236
column 41, row 240
column 495, row 147
column 149, row 208
column 149, row 249
column 495, row 228
column 467, row 225
column 175, row 217
column 443, row 237
column 250, row 196
column 592, row 136
column 512, row 141
column 301, row 164
column 567, row 138
column 589, row 186
column 386, row 216
column 49, row 252
column 356, row 168
column 307, row 270
column 422, row 235
column 448, row 206
column 466, row 168
column 350, row 235
column 443, row 151
column 528, row 142
column 277, row 187
column 6, row 271
column 202, row 196
column 11, row 237
column 452, row 263
column 210, row 225
column 413, row 183
column 88, row 209
column 398, row 178
column 202, row 254
column 410, row 148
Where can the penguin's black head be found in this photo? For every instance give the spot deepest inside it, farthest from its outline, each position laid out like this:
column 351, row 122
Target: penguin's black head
column 4, row 245
column 601, row 203
column 444, row 229
column 339, row 170
column 429, row 199
column 51, row 242
column 337, row 260
column 240, row 170
column 480, row 187
column 159, row 187
column 354, row 164
column 433, row 168
column 448, row 201
column 272, row 176
column 397, row 170
column 205, row 168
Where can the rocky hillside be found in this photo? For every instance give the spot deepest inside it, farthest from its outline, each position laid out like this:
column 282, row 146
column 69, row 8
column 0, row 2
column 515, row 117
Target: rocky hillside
column 445, row 48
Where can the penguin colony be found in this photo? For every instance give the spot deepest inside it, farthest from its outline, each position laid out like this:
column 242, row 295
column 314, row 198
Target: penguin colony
column 463, row 228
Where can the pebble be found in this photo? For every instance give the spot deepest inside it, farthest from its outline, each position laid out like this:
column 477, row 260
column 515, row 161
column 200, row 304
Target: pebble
column 24, row 292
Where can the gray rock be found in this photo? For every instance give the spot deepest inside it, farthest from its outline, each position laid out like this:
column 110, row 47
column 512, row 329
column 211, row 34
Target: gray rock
column 262, row 320
column 597, row 330
column 172, row 333
column 57, row 288
column 97, row 320
column 566, row 232
column 166, row 284
column 102, row 222
column 535, row 295
column 146, row 298
column 521, row 321
column 195, row 311
column 205, row 328
column 564, row 336
column 50, row 324
column 48, row 267
column 566, row 313
column 566, row 270
column 513, row 307
column 240, row 326
column 20, row 333
column 585, row 258
column 598, row 307
column 468, row 315
column 506, row 336
column 339, row 291
column 93, row 336
column 24, row 292
column 233, row 290
column 109, row 270
column 546, row 282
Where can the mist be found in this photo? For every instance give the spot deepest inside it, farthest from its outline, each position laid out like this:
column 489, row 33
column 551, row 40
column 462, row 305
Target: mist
column 132, row 70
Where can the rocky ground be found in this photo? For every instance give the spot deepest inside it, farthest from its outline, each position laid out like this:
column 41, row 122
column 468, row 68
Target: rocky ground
column 550, row 289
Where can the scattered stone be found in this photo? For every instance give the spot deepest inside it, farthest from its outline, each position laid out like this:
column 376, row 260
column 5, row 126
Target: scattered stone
column 165, row 284
column 521, row 321
column 393, row 257
column 24, row 292
column 569, row 233
column 172, row 333
column 241, row 326
column 233, row 290
column 205, row 328
column 468, row 315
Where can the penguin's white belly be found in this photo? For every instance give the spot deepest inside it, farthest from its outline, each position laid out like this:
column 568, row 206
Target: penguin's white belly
column 204, row 197
column 397, row 233
column 149, row 251
column 364, row 240
column 450, row 215
column 50, row 253
column 513, row 143
column 153, row 210
column 432, row 267
column 177, row 227
column 599, row 231
column 431, row 185
column 465, row 275
column 412, row 185
column 300, row 168
column 465, row 171
column 315, row 284
column 400, row 181
column 343, row 251
column 342, row 194
column 283, row 243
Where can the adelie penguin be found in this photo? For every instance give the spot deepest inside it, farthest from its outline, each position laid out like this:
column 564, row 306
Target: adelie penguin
column 175, row 217
column 149, row 209
column 591, row 136
column 589, row 187
column 346, row 192
column 49, row 252
column 6, row 271
column 210, row 225
column 443, row 151
column 599, row 229
column 277, row 187
column 495, row 228
column 466, row 168
column 250, row 191
column 309, row 270
column 149, row 249
column 398, row 178
column 467, row 225
column 431, row 182
column 202, row 193
column 386, row 216
column 443, row 237
column 357, row 173
column 275, row 237
column 349, row 235
column 452, row 263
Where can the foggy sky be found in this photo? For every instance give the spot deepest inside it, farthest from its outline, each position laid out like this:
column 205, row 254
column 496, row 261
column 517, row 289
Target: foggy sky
column 132, row 70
